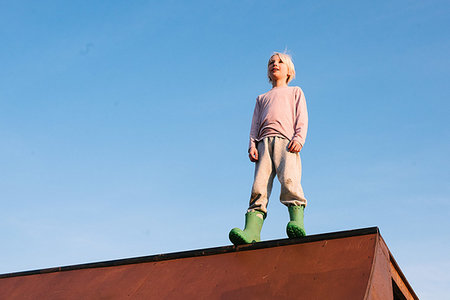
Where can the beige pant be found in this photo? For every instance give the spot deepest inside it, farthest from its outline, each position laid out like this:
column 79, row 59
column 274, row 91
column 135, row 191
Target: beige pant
column 274, row 158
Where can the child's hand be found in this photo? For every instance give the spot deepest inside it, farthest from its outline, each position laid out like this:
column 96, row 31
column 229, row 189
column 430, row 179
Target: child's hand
column 253, row 154
column 294, row 147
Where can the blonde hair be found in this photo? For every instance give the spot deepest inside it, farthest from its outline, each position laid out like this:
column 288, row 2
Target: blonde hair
column 287, row 59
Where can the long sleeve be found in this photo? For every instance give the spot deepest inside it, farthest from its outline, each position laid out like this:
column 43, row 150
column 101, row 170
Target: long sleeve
column 255, row 125
column 301, row 120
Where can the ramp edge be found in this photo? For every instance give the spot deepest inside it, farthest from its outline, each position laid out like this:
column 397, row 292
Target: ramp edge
column 201, row 252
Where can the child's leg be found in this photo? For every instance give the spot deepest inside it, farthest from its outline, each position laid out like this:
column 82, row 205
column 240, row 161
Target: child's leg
column 264, row 175
column 262, row 186
column 289, row 172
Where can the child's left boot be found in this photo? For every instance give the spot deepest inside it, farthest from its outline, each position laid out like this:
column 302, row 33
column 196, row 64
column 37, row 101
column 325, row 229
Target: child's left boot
column 295, row 228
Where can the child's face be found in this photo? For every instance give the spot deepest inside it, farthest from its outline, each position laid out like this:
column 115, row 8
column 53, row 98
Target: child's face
column 277, row 69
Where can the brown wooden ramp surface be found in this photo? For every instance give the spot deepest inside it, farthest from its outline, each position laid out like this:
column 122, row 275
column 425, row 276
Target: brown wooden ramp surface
column 353, row 264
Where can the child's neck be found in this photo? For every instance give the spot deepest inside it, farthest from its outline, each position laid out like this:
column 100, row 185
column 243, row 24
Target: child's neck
column 279, row 83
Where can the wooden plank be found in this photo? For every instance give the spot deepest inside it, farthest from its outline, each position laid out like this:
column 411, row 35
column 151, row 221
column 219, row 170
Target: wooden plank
column 401, row 282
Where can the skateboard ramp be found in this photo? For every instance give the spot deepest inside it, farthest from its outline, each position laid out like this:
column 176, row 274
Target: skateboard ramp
column 353, row 264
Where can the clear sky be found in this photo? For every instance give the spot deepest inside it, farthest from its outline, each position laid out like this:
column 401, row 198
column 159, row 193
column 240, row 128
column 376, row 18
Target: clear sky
column 124, row 126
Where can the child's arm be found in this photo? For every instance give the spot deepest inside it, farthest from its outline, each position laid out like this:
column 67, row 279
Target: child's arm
column 252, row 151
column 300, row 125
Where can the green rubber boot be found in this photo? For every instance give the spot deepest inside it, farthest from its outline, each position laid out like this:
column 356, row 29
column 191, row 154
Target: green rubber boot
column 251, row 233
column 295, row 227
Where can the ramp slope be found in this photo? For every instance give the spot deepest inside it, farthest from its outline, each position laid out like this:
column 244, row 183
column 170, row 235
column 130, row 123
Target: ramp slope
column 352, row 264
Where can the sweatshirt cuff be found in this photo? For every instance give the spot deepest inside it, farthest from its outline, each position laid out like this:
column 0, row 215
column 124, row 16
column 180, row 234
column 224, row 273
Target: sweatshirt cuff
column 298, row 140
column 251, row 144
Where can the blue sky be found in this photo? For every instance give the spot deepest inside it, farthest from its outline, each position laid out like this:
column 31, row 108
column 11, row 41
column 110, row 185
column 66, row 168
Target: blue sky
column 124, row 126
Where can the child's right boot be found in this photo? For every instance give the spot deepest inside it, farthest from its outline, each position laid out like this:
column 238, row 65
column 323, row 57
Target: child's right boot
column 251, row 233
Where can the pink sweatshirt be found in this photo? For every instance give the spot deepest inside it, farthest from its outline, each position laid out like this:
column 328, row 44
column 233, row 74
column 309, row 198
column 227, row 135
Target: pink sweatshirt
column 280, row 112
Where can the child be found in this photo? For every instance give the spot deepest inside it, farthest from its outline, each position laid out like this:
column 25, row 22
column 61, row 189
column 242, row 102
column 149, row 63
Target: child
column 277, row 135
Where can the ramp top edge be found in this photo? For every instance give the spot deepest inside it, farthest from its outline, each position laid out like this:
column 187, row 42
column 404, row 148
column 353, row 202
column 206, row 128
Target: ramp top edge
column 202, row 252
